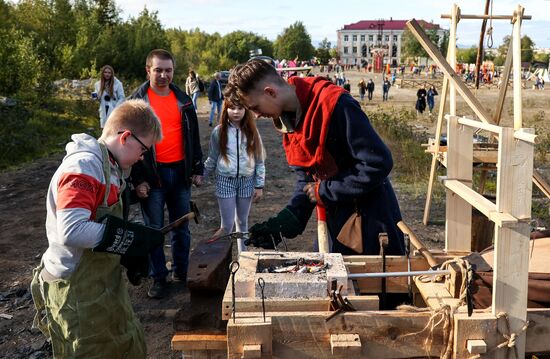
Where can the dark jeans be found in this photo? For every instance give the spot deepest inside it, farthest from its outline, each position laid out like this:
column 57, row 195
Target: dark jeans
column 385, row 95
column 175, row 194
column 370, row 95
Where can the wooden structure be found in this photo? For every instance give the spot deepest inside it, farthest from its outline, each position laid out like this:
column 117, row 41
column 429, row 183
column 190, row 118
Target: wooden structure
column 440, row 324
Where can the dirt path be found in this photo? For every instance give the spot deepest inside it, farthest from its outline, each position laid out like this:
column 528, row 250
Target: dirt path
column 23, row 240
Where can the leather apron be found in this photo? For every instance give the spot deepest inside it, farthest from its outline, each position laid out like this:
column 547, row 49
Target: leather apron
column 89, row 314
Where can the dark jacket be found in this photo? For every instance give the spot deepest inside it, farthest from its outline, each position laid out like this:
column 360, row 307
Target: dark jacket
column 213, row 92
column 370, row 86
column 362, row 183
column 146, row 169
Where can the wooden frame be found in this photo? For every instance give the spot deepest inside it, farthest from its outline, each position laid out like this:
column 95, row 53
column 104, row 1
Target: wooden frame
column 299, row 328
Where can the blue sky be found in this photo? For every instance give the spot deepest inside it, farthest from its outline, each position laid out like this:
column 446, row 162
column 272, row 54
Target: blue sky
column 323, row 18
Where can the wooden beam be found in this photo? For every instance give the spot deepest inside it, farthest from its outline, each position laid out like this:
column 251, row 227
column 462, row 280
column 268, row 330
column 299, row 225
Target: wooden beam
column 454, row 78
column 482, row 204
column 477, row 124
column 480, row 17
column 382, row 334
column 435, row 295
column 511, row 258
column 433, row 166
column 480, row 44
column 505, row 77
column 458, row 218
column 472, row 334
column 451, row 55
column 199, row 341
column 249, row 331
column 516, row 44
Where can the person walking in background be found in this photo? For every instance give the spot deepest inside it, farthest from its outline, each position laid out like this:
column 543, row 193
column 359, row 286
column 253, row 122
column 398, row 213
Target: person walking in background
column 347, row 86
column 109, row 92
column 236, row 154
column 165, row 174
column 192, row 88
column 362, row 89
column 421, row 99
column 386, row 89
column 370, row 89
column 430, row 97
column 215, row 97
column 79, row 284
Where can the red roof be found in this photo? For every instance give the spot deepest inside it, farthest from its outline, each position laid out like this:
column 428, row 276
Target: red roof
column 388, row 25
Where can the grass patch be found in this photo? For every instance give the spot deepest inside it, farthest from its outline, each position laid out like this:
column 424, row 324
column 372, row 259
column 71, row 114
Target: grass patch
column 411, row 163
column 32, row 130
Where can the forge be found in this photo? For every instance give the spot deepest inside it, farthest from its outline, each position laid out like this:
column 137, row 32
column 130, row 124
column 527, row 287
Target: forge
column 255, row 265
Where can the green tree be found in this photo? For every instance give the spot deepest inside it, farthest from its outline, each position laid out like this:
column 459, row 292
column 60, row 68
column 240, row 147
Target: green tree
column 236, row 46
column 541, row 57
column 323, row 51
column 294, row 42
column 411, row 48
column 467, row 56
column 527, row 48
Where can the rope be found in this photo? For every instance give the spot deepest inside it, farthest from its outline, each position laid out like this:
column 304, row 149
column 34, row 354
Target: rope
column 445, row 314
column 490, row 29
column 510, row 338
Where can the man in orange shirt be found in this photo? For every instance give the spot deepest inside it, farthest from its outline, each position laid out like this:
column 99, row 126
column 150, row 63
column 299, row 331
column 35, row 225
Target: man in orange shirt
column 165, row 174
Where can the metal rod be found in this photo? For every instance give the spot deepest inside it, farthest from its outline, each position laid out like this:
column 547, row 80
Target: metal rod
column 397, row 274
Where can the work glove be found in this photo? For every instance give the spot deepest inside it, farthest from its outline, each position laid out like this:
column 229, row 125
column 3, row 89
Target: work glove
column 137, row 268
column 269, row 234
column 127, row 238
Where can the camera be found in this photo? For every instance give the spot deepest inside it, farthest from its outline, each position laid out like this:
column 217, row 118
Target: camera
column 107, row 98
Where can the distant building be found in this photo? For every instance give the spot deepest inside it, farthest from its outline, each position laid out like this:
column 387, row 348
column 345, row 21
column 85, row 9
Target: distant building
column 376, row 42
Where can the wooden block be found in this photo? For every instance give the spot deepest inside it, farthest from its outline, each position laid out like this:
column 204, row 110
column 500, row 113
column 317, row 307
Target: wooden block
column 249, row 331
column 198, row 341
column 480, row 326
column 345, row 344
column 453, row 281
column 252, row 351
column 476, row 346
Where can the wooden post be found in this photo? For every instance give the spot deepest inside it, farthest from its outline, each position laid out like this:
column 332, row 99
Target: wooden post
column 458, row 219
column 244, row 336
column 505, row 77
column 480, row 45
column 435, row 154
column 516, row 43
column 451, row 55
column 511, row 262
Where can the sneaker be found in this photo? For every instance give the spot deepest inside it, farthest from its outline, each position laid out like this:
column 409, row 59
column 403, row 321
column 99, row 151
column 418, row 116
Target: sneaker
column 179, row 277
column 158, row 289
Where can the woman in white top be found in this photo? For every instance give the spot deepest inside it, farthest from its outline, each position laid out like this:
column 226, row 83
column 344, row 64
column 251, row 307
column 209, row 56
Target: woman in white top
column 192, row 87
column 109, row 92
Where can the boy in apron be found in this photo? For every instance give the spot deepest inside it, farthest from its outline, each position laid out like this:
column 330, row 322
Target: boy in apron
column 80, row 295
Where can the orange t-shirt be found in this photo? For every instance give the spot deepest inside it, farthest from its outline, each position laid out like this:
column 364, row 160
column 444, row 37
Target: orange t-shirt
column 170, row 149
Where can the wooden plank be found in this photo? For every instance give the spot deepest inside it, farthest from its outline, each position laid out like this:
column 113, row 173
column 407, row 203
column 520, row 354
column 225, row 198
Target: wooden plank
column 468, row 331
column 477, row 124
column 247, row 305
column 505, row 77
column 437, row 142
column 458, row 218
column 516, row 44
column 385, row 334
column 248, row 331
column 199, row 341
column 345, row 344
column 480, row 17
column 454, row 78
column 512, row 243
column 435, row 295
column 451, row 55
column 481, row 203
column 538, row 331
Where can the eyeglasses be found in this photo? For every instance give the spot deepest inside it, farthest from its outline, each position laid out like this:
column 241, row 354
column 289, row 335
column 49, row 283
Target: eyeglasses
column 144, row 148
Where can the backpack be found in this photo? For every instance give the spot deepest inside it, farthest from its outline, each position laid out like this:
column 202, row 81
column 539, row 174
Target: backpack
column 201, row 86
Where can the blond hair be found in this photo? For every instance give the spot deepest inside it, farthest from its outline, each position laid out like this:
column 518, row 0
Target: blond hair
column 135, row 116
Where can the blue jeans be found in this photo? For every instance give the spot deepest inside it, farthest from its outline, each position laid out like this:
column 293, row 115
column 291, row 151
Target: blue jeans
column 215, row 104
column 194, row 98
column 175, row 194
